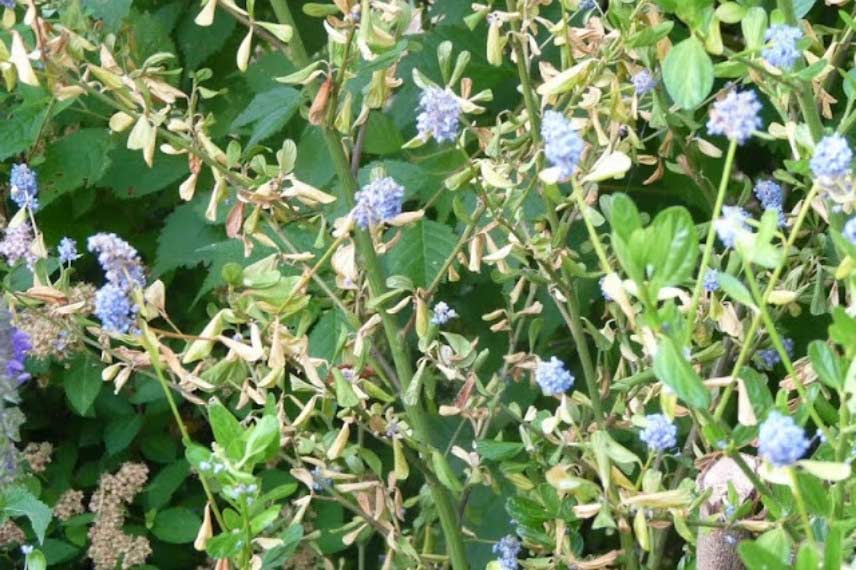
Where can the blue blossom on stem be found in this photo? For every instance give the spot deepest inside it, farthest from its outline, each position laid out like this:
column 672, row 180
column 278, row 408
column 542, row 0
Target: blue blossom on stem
column 710, row 281
column 731, row 224
column 769, row 194
column 17, row 244
column 735, row 116
column 831, row 159
column 116, row 309
column 121, row 262
column 67, row 250
column 377, row 202
column 14, row 346
column 659, row 434
column 781, row 50
column 587, row 4
column 24, row 187
column 781, row 441
column 769, row 357
column 849, row 230
column 507, row 549
column 443, row 313
column 563, row 146
column 553, row 377
column 643, row 82
column 439, row 116
column 7, row 3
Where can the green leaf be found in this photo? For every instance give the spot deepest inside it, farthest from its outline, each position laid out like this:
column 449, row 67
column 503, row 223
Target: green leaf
column 130, row 177
column 345, row 395
column 112, row 12
column 735, row 289
column 754, row 24
column 420, row 254
column 498, row 450
column 74, row 161
column 803, row 7
column 807, row 557
column 650, row 35
column 227, row 430
column 178, row 525
column 260, row 438
column 165, row 484
column 382, row 136
column 82, row 382
column 526, row 511
column 688, row 73
column 120, row 432
column 444, row 472
column 268, row 112
column 18, row 501
column 843, row 329
column 674, row 371
column 36, row 560
column 756, row 557
column 20, row 126
column 276, row 557
column 224, row 545
column 825, row 364
column 672, row 248
column 198, row 43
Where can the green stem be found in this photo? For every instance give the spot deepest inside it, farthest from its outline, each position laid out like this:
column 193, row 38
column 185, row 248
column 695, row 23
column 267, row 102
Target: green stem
column 746, row 347
column 592, row 232
column 805, row 93
column 711, row 231
column 574, row 322
column 780, row 348
column 795, row 487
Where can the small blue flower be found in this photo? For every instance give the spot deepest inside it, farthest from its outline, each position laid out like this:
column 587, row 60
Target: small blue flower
column 735, row 116
column 116, row 310
column 508, row 548
column 443, row 313
column 831, row 159
column 319, row 481
column 643, row 82
column 378, row 201
column 553, row 377
column 849, row 230
column 121, row 262
column 7, row 3
column 768, row 358
column 781, row 50
column 67, row 250
column 587, row 5
column 439, row 116
column 563, row 146
column 20, row 347
column 659, row 434
column 710, row 281
column 731, row 225
column 781, row 441
column 24, row 187
column 769, row 194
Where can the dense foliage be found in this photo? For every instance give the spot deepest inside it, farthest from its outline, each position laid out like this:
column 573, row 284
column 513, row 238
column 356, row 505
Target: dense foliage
column 353, row 284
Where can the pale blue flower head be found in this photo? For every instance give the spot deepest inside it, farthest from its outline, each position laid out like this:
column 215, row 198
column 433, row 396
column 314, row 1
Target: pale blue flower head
column 643, row 82
column 507, row 549
column 120, row 261
column 769, row 193
column 116, row 310
column 731, row 224
column 736, row 116
column 378, row 201
column 659, row 434
column 553, row 377
column 67, row 250
column 439, row 116
column 24, row 187
column 831, row 159
column 443, row 313
column 563, row 146
column 710, row 281
column 781, row 50
column 781, row 441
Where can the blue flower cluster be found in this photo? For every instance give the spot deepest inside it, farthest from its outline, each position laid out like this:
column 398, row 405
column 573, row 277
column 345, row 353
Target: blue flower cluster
column 14, row 347
column 563, row 146
column 710, row 281
column 67, row 250
column 17, row 244
column 769, row 357
column 643, row 82
column 24, row 187
column 114, row 304
column 439, row 116
column 831, row 159
column 7, row 3
column 507, row 549
column 781, row 441
column 659, row 434
column 781, row 50
column 771, row 197
column 735, row 116
column 553, row 377
column 731, row 224
column 849, row 230
column 378, row 201
column 443, row 313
